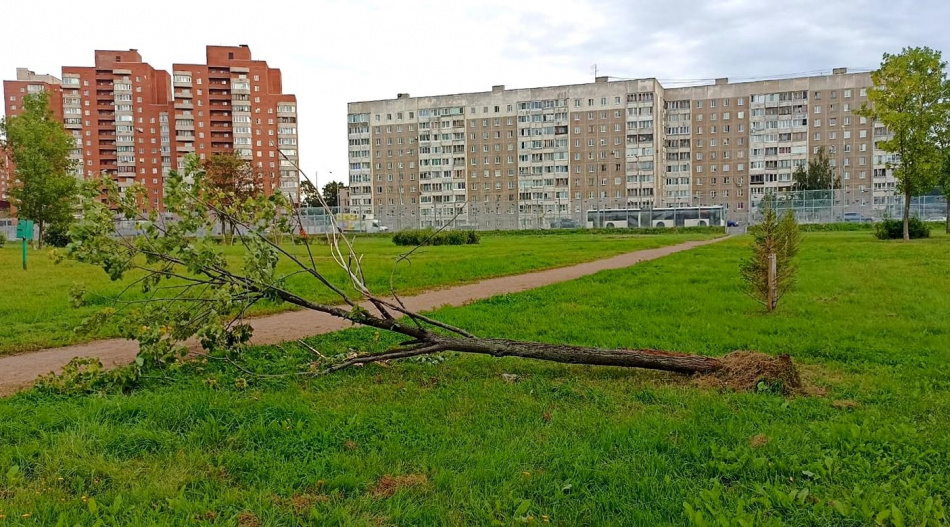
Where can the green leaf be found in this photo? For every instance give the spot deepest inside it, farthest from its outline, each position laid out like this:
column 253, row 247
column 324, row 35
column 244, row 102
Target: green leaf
column 897, row 518
column 523, row 508
column 93, row 506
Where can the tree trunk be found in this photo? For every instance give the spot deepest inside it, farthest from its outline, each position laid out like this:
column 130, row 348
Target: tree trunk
column 948, row 215
column 639, row 358
column 907, row 216
column 39, row 238
column 649, row 359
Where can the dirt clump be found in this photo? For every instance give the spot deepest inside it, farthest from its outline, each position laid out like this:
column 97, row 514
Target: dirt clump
column 303, row 502
column 751, row 371
column 248, row 519
column 759, row 441
column 388, row 485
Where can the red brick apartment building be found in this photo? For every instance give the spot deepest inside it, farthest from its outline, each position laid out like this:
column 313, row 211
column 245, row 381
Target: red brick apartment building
column 136, row 123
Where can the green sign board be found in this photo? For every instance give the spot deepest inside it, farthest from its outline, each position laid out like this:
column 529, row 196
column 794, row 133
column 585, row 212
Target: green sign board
column 24, row 229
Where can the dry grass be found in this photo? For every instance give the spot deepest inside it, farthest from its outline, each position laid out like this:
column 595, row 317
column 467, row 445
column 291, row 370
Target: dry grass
column 389, row 485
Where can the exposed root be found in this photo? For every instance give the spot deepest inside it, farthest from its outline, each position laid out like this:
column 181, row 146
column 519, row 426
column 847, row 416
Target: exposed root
column 751, row 371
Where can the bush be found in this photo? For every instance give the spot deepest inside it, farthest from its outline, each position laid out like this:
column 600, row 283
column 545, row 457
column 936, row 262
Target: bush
column 837, row 227
column 413, row 237
column 56, row 235
column 615, row 231
column 3, row 240
column 891, row 229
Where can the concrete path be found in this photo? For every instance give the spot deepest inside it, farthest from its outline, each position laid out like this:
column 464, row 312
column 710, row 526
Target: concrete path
column 20, row 371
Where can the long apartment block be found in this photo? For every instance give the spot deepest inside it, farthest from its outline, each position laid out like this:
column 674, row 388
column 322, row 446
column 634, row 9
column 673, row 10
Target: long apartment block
column 521, row 158
column 136, row 123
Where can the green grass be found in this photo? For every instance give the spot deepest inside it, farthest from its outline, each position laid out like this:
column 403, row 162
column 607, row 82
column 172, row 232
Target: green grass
column 869, row 323
column 36, row 311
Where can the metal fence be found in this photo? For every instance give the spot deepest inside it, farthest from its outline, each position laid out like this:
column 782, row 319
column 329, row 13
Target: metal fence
column 834, row 206
column 818, row 206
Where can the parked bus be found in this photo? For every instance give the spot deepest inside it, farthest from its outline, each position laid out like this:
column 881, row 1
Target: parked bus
column 660, row 218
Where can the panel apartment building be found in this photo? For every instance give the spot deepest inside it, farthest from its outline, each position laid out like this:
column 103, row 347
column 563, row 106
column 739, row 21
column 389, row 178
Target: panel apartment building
column 507, row 159
column 136, row 123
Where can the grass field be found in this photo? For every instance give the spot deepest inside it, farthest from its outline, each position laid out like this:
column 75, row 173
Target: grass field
column 36, row 311
column 434, row 443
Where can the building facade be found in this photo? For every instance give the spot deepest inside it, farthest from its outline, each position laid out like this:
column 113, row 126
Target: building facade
column 136, row 123
column 527, row 158
column 235, row 103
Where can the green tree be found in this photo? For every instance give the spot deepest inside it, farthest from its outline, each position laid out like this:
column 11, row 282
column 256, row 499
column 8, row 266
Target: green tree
column 909, row 97
column 818, row 176
column 309, row 195
column 231, row 181
column 37, row 146
column 773, row 237
column 331, row 193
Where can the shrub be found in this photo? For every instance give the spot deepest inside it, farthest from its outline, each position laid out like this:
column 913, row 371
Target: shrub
column 612, row 232
column 3, row 240
column 56, row 235
column 837, row 227
column 893, row 229
column 412, row 237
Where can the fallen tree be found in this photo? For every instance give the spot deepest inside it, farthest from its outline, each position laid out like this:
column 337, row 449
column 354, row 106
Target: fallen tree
column 192, row 290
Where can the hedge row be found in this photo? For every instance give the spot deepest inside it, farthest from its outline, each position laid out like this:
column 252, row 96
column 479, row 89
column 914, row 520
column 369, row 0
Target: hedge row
column 645, row 230
column 415, row 237
column 836, row 227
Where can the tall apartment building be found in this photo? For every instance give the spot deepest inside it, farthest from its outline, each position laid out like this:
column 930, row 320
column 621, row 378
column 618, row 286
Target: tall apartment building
column 130, row 124
column 235, row 103
column 523, row 158
column 118, row 111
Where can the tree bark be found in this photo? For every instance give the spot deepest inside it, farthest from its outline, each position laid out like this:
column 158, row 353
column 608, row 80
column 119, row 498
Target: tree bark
column 947, row 218
column 907, row 216
column 628, row 358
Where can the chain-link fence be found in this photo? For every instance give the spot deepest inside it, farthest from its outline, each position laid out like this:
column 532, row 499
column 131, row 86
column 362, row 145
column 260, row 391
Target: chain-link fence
column 839, row 205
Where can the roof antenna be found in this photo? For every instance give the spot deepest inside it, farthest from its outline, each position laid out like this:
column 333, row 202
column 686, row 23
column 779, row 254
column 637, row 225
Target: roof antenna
column 595, row 71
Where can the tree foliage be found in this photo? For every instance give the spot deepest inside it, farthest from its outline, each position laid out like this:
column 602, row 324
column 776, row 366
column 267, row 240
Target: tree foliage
column 309, row 195
column 230, row 181
column 910, row 97
column 331, row 193
column 774, row 236
column 192, row 290
column 817, row 176
column 44, row 188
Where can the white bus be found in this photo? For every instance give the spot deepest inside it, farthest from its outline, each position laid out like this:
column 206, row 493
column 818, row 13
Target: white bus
column 659, row 218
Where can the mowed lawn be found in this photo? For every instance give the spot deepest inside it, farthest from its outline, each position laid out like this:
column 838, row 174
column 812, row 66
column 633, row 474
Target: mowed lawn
column 452, row 443
column 36, row 310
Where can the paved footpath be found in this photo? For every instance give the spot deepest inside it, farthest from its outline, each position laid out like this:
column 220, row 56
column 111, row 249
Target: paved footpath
column 19, row 371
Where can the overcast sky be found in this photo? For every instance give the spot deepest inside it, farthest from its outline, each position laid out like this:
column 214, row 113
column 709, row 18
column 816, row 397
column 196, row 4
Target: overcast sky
column 333, row 52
